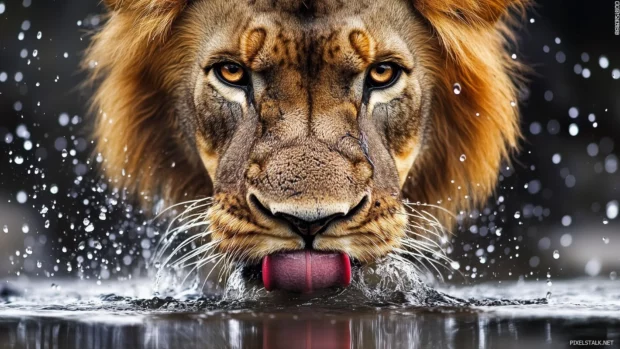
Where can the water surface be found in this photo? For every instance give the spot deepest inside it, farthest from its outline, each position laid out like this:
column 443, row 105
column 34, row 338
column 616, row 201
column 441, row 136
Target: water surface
column 125, row 315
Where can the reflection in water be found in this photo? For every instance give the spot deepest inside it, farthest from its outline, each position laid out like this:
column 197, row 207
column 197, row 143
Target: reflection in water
column 302, row 328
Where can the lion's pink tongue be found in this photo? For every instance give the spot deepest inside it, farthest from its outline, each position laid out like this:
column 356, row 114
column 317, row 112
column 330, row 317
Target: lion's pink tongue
column 306, row 271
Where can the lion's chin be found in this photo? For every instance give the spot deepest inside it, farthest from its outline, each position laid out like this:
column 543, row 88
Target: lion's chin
column 306, row 270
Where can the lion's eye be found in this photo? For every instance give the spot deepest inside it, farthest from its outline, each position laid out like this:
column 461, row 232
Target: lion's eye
column 383, row 75
column 231, row 73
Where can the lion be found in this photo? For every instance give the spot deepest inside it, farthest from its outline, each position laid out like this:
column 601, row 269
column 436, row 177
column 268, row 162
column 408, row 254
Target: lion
column 322, row 132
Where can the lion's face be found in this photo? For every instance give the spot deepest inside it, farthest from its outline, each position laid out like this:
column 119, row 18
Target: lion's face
column 308, row 122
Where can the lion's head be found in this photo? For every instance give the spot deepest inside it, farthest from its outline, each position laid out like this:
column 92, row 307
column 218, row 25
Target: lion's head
column 308, row 122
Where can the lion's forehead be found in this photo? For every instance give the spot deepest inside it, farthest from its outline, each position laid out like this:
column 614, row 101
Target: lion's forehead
column 269, row 42
column 311, row 9
column 300, row 33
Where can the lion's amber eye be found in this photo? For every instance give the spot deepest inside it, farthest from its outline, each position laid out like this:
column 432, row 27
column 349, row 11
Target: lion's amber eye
column 232, row 73
column 383, row 74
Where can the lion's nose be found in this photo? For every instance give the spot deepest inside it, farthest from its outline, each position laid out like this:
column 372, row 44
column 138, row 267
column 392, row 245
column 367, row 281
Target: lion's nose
column 309, row 227
column 307, row 221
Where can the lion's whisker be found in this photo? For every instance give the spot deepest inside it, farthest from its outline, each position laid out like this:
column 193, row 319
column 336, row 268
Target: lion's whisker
column 433, row 252
column 165, row 243
column 413, row 225
column 194, row 253
column 419, row 264
column 180, row 204
column 425, row 237
column 423, row 258
column 171, row 233
column 443, row 209
column 212, row 268
column 400, row 258
column 202, row 262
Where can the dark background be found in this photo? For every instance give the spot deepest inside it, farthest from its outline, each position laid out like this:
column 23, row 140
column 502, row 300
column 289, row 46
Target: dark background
column 541, row 205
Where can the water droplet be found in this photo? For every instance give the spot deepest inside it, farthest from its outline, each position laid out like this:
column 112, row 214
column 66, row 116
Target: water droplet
column 29, row 250
column 102, row 216
column 612, row 209
column 517, row 215
column 586, row 73
column 605, row 240
column 567, row 220
column 566, row 240
column 90, row 228
column 463, row 157
column 548, row 296
column 25, row 228
column 549, row 283
column 457, row 88
column 39, row 35
column 593, row 267
column 573, row 112
column 556, row 254
column 97, row 245
column 47, row 224
column 157, row 265
column 82, row 245
column 64, row 153
column 573, row 129
column 39, row 264
column 22, row 197
column 603, row 62
column 5, row 229
column 86, row 221
column 613, row 275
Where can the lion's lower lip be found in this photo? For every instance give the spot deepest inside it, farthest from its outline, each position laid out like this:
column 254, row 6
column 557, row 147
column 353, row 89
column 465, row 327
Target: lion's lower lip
column 306, row 271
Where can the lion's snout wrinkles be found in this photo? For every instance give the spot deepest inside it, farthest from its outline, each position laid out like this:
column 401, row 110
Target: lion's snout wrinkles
column 309, row 174
column 309, row 118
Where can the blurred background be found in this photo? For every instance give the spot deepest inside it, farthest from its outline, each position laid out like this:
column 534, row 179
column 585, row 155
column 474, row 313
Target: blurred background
column 554, row 214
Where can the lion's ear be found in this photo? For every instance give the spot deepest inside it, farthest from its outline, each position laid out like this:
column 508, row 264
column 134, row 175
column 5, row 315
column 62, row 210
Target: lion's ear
column 469, row 12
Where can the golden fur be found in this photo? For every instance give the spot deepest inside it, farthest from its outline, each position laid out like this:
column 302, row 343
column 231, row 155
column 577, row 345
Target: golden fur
column 141, row 53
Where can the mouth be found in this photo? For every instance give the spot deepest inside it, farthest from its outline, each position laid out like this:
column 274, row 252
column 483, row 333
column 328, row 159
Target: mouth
column 306, row 271
column 299, row 255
